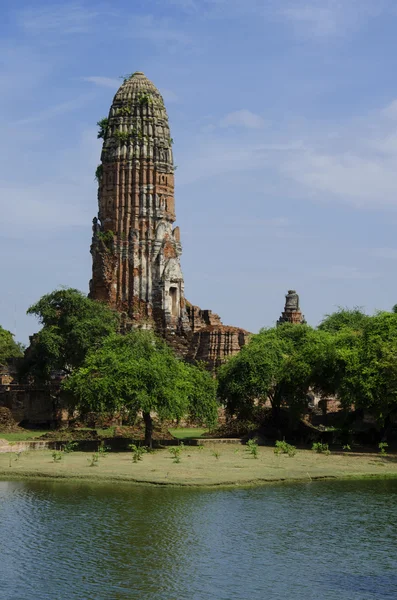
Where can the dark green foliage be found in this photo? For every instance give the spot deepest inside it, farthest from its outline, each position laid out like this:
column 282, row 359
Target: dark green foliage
column 8, row 347
column 344, row 318
column 279, row 365
column 320, row 448
column 99, row 173
column 72, row 325
column 56, row 456
column 122, row 136
column 144, row 98
column 69, row 447
column 176, row 453
column 139, row 372
column 107, row 237
column 282, row 447
column 252, row 448
column 137, row 452
column 103, row 125
column 365, row 369
column 124, row 110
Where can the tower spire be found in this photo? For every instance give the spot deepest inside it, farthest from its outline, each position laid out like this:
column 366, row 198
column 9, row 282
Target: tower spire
column 135, row 250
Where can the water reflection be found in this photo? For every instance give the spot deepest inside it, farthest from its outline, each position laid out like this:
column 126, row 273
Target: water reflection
column 322, row 540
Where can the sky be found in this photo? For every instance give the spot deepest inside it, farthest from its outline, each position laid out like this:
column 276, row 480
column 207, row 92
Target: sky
column 284, row 120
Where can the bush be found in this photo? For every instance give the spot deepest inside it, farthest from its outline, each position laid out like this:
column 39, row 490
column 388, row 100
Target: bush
column 176, row 453
column 321, row 448
column 69, row 447
column 252, row 447
column 382, row 448
column 137, row 452
column 282, row 447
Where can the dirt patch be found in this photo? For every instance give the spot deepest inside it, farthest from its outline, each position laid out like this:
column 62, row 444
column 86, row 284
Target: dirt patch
column 7, row 423
column 137, row 432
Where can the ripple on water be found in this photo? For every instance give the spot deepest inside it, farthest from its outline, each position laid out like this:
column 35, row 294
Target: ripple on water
column 334, row 541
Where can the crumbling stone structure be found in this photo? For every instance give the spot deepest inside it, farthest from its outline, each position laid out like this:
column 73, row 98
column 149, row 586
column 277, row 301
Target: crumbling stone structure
column 135, row 248
column 136, row 252
column 292, row 312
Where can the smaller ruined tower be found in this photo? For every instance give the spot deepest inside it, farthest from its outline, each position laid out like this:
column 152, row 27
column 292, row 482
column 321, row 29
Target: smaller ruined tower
column 292, row 312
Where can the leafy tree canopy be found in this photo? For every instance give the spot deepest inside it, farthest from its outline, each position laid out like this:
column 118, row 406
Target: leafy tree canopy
column 72, row 325
column 8, row 347
column 278, row 364
column 139, row 372
column 351, row 318
column 369, row 378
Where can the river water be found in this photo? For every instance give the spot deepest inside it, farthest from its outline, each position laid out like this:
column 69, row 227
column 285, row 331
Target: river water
column 315, row 541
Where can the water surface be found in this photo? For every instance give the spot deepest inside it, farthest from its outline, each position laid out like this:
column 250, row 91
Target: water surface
column 74, row 541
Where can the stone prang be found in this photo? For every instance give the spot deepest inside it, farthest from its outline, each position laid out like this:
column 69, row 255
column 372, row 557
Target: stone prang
column 292, row 312
column 135, row 249
column 136, row 252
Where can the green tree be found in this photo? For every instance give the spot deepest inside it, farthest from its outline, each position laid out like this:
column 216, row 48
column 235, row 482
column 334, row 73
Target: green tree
column 72, row 325
column 344, row 318
column 279, row 365
column 139, row 372
column 8, row 347
column 368, row 376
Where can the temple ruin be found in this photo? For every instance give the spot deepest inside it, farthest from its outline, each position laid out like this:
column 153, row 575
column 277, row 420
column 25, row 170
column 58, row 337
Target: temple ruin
column 135, row 248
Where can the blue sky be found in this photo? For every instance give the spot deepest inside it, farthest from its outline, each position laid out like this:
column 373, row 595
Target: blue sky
column 284, row 117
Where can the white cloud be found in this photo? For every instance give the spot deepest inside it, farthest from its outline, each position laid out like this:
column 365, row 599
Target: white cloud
column 352, row 162
column 65, row 19
column 57, row 196
column 325, row 18
column 343, row 272
column 243, row 118
column 107, row 82
column 56, row 110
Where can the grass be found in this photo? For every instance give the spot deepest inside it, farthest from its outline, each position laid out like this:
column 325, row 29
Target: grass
column 185, row 433
column 198, row 467
column 22, row 436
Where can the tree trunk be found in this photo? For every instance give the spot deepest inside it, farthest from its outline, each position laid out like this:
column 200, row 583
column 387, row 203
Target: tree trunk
column 148, row 429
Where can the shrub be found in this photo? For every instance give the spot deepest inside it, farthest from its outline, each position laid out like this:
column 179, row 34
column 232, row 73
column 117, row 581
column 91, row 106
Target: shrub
column 382, row 448
column 176, row 453
column 103, row 450
column 103, row 125
column 137, row 452
column 282, row 447
column 69, row 447
column 99, row 173
column 346, row 448
column 216, row 454
column 252, row 447
column 321, row 448
column 122, row 136
column 93, row 460
column 56, row 456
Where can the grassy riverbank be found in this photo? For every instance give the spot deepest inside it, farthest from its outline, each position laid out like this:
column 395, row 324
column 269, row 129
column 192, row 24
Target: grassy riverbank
column 209, row 466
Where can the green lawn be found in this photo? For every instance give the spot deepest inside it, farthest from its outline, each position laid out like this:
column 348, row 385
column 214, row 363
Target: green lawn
column 184, row 433
column 21, row 436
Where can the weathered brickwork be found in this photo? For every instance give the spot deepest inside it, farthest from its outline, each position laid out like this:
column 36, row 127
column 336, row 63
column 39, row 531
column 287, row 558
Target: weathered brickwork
column 135, row 249
column 136, row 252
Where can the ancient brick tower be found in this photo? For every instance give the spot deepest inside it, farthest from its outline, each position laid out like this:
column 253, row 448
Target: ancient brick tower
column 292, row 312
column 135, row 250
